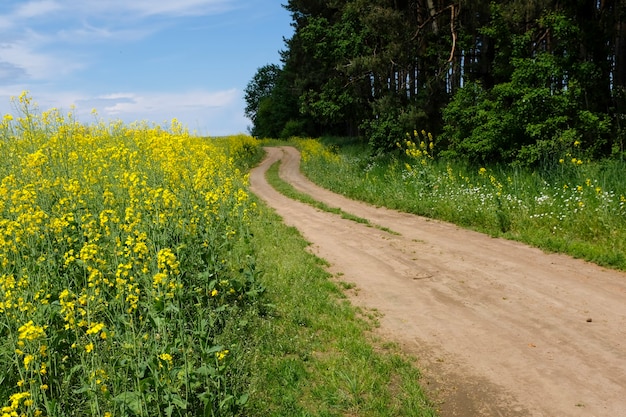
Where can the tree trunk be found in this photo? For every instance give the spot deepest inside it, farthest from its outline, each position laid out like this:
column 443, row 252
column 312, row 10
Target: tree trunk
column 619, row 45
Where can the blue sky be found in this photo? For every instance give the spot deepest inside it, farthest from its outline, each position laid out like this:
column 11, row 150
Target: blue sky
column 140, row 60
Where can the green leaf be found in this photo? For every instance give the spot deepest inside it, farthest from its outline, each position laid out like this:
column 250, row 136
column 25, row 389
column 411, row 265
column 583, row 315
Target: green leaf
column 205, row 371
column 82, row 390
column 130, row 399
column 178, row 401
column 243, row 399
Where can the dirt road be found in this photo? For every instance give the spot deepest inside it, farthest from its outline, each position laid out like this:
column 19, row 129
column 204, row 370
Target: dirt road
column 499, row 328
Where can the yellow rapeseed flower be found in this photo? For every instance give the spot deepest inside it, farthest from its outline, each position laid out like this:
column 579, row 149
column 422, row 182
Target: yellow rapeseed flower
column 95, row 328
column 29, row 331
column 119, row 207
column 166, row 261
column 158, row 279
column 27, row 360
column 14, row 403
column 222, row 354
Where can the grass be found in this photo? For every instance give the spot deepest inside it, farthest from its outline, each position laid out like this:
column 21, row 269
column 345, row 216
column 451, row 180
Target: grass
column 316, row 353
column 289, row 191
column 574, row 207
column 139, row 277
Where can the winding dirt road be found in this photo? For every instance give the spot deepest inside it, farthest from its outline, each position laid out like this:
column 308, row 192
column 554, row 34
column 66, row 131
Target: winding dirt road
column 499, row 328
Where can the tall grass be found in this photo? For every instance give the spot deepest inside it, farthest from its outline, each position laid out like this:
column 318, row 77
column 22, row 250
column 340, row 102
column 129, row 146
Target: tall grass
column 575, row 207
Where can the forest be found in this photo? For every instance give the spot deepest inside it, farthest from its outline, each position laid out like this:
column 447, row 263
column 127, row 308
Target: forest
column 514, row 81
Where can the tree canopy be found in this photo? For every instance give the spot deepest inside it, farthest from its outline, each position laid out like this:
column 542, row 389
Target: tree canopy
column 510, row 80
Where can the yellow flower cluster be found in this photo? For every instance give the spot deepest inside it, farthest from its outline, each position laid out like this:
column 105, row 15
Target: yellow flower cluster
column 313, row 148
column 418, row 146
column 95, row 222
column 494, row 182
column 29, row 331
column 12, row 409
column 221, row 355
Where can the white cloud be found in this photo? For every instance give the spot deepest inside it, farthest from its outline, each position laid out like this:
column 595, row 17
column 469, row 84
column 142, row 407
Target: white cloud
column 142, row 8
column 5, row 23
column 214, row 113
column 87, row 33
column 48, row 46
column 207, row 112
column 23, row 13
column 9, row 73
column 157, row 102
column 69, row 20
column 126, row 9
column 179, row 8
column 36, row 8
column 32, row 30
column 34, row 64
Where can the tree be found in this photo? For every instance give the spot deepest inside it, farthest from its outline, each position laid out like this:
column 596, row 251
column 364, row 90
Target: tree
column 541, row 106
column 381, row 68
column 258, row 91
column 272, row 106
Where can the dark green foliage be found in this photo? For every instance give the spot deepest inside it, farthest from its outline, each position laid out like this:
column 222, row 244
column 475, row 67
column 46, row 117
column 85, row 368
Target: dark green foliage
column 269, row 103
column 258, row 96
column 391, row 125
column 517, row 81
column 542, row 112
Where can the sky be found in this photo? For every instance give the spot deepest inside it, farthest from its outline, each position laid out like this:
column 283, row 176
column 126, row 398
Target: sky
column 140, row 60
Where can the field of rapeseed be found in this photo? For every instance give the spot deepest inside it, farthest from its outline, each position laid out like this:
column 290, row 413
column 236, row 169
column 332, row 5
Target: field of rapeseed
column 123, row 253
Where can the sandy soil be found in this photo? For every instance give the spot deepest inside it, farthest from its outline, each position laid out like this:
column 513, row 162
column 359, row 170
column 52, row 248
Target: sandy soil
column 499, row 328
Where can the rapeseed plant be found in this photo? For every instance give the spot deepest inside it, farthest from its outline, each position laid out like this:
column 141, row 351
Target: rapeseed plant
column 106, row 230
column 311, row 148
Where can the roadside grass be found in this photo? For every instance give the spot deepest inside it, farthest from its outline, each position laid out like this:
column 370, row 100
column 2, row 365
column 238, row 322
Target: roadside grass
column 286, row 189
column 312, row 352
column 574, row 207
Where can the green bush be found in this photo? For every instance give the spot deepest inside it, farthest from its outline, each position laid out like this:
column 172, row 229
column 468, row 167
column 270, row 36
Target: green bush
column 542, row 107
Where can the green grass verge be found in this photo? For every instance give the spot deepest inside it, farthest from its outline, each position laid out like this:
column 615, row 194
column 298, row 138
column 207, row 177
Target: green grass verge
column 286, row 189
column 310, row 352
column 573, row 208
